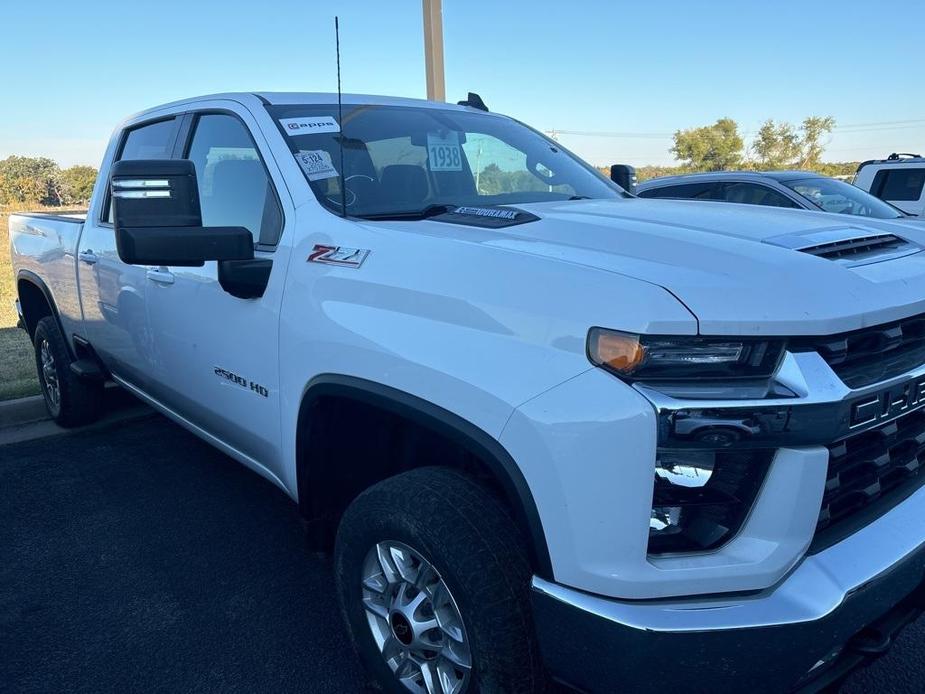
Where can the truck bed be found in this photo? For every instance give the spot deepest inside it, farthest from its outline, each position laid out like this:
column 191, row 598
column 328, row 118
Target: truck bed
column 45, row 245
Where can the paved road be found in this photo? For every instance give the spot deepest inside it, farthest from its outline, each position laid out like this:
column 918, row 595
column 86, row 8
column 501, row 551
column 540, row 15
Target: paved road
column 140, row 559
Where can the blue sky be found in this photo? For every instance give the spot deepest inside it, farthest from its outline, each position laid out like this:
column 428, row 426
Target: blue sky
column 72, row 70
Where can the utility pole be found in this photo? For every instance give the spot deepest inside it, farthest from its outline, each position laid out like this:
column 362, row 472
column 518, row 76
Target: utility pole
column 433, row 49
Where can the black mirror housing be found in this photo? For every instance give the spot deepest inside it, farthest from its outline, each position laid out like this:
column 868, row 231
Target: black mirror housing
column 155, row 193
column 183, row 246
column 624, row 176
column 158, row 220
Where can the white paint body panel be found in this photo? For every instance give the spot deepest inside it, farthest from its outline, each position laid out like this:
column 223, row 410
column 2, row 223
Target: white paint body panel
column 491, row 326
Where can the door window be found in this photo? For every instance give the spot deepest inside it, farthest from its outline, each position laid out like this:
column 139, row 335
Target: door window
column 150, row 141
column 754, row 194
column 899, row 184
column 688, row 191
column 234, row 187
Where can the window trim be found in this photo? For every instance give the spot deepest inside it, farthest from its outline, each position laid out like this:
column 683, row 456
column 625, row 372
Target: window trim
column 182, row 149
column 123, row 138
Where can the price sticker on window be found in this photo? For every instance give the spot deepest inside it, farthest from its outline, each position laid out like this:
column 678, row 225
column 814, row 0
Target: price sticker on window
column 443, row 151
column 316, row 164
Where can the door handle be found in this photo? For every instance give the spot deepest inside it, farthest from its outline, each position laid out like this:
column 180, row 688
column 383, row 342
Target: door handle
column 160, row 275
column 88, row 257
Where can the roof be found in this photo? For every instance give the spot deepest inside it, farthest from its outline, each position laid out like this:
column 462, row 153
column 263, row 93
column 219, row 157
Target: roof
column 895, row 158
column 720, row 175
column 286, row 98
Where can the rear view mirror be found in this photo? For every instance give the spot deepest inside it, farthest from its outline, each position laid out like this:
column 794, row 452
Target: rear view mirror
column 158, row 220
column 624, row 176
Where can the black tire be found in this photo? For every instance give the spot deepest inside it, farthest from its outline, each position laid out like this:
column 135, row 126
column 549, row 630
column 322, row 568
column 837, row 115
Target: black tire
column 77, row 401
column 465, row 534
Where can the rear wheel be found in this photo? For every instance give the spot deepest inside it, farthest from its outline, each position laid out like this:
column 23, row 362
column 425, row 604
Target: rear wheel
column 70, row 401
column 433, row 580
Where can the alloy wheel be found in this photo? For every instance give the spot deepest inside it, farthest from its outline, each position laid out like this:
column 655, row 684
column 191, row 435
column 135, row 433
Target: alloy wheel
column 49, row 375
column 415, row 621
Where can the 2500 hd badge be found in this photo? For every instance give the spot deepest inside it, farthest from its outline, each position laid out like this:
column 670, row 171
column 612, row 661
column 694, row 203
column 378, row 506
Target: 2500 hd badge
column 241, row 381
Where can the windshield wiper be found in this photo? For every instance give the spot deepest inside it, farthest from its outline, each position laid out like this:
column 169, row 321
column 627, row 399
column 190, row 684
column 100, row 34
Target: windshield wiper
column 410, row 215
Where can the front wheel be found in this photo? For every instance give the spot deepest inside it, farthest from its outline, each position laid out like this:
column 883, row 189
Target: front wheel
column 433, row 580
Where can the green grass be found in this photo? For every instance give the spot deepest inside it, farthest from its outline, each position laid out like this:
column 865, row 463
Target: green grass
column 17, row 363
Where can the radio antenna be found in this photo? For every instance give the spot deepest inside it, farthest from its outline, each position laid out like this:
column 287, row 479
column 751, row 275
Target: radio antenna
column 340, row 119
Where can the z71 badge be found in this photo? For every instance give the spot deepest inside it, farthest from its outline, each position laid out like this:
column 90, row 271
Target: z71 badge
column 338, row 255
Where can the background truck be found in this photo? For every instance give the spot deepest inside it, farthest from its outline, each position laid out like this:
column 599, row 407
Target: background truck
column 899, row 179
column 548, row 428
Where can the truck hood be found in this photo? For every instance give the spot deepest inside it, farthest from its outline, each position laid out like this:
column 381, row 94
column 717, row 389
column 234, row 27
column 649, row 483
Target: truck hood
column 738, row 268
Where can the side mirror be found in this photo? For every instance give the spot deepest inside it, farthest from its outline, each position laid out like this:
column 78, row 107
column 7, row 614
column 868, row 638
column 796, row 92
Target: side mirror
column 158, row 220
column 624, row 176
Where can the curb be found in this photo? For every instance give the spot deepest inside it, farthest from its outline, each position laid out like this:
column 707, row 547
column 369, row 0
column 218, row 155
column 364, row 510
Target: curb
column 26, row 419
column 22, row 411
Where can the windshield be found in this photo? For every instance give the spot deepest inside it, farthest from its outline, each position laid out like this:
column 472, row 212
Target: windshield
column 833, row 195
column 401, row 160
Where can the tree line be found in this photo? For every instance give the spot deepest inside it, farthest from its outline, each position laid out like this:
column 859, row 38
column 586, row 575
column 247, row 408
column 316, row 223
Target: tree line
column 30, row 181
column 777, row 145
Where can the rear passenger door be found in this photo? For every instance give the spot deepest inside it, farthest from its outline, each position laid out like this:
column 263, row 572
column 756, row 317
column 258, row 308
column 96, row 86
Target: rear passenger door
column 112, row 293
column 216, row 357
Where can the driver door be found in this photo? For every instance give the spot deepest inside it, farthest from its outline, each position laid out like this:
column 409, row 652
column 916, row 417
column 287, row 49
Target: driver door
column 216, row 357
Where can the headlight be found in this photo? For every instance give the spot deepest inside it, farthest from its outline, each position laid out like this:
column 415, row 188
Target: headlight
column 679, row 359
column 702, row 497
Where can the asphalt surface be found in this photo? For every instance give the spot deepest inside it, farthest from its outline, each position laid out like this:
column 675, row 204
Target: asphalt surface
column 137, row 558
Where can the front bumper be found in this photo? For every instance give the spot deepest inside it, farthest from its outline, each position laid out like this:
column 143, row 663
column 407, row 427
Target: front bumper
column 855, row 594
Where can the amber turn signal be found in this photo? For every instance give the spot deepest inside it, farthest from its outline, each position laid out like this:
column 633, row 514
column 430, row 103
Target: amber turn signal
column 621, row 352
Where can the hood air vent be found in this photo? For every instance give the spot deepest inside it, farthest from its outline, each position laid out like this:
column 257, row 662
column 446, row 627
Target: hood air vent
column 848, row 246
column 855, row 249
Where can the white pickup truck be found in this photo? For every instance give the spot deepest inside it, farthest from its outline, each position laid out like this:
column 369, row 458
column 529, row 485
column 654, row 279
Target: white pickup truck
column 550, row 430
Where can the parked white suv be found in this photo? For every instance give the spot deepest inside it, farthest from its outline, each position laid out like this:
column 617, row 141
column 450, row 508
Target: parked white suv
column 546, row 426
column 899, row 179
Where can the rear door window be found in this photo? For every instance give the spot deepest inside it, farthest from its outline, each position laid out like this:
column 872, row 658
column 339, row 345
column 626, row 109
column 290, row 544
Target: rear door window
column 149, row 141
column 754, row 194
column 152, row 141
column 687, row 191
column 899, row 184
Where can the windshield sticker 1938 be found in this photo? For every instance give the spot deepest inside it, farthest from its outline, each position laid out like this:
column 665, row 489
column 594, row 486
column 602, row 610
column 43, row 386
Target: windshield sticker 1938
column 443, row 153
column 309, row 124
column 316, row 164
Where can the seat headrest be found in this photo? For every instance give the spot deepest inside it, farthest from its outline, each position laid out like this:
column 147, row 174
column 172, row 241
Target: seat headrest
column 231, row 173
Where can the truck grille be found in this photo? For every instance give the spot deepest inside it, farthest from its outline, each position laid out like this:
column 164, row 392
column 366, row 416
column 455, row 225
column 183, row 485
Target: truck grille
column 872, row 471
column 870, row 355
